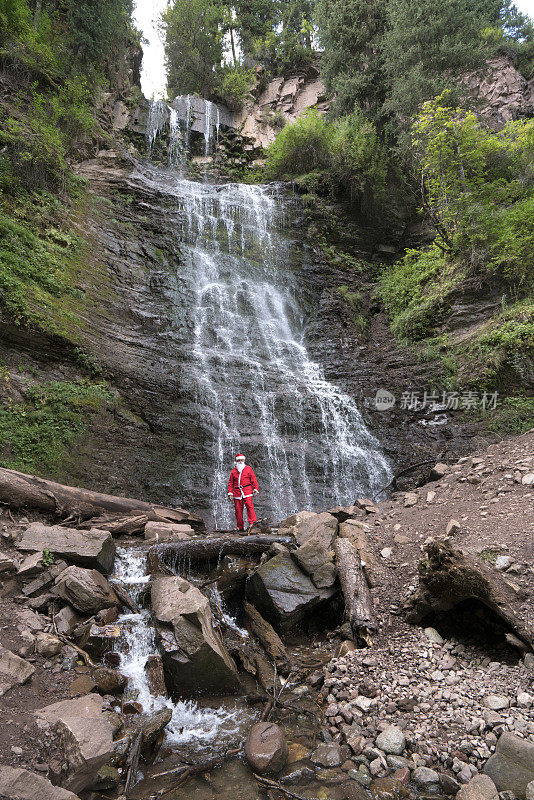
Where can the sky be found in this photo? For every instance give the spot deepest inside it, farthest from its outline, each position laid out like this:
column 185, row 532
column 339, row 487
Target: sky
column 153, row 78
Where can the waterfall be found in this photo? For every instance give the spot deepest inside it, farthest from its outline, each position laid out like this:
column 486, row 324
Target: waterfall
column 256, row 388
column 191, row 725
column 158, row 115
column 177, row 149
column 177, row 118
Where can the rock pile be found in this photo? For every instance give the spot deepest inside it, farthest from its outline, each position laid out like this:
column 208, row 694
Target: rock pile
column 422, row 703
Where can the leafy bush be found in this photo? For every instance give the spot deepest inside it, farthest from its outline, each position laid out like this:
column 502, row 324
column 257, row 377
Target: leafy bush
column 346, row 154
column 300, row 148
column 235, row 87
column 413, row 290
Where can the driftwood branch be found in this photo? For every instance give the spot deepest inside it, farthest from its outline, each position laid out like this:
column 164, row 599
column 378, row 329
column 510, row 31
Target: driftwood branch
column 203, row 548
column 18, row 489
column 359, row 609
column 135, row 753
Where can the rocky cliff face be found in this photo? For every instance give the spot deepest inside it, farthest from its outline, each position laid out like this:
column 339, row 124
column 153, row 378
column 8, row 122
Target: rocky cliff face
column 502, row 94
column 281, row 102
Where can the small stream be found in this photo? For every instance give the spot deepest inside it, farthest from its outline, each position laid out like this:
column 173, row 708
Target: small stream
column 194, row 729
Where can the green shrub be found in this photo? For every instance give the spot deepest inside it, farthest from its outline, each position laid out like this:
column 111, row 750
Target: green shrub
column 300, row 148
column 235, row 87
column 413, row 290
column 358, row 159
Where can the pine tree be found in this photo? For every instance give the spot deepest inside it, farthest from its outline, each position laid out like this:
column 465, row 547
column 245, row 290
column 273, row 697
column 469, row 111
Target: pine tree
column 351, row 32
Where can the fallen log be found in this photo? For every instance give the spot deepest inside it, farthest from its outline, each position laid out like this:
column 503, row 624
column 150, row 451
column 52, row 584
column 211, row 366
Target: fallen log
column 448, row 577
column 117, row 525
column 359, row 610
column 274, row 647
column 203, row 548
column 18, row 489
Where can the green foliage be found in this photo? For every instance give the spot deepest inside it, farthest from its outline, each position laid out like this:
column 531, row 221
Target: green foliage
column 513, row 415
column 235, row 87
column 427, row 45
column 193, row 45
column 346, row 155
column 413, row 290
column 36, row 435
column 48, row 558
column 478, row 189
column 37, row 263
column 389, row 56
column 351, row 32
column 358, row 159
column 301, row 147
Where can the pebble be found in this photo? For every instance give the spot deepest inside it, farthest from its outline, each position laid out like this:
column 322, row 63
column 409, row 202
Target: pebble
column 391, row 740
column 495, row 702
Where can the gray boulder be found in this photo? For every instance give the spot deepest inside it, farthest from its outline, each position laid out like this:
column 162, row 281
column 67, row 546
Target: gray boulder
column 282, row 592
column 317, row 526
column 85, row 738
column 21, row 784
column 163, row 531
column 266, row 748
column 66, row 620
column 85, row 589
column 195, row 660
column 92, row 548
column 424, row 777
column 318, row 562
column 511, row 767
column 14, row 671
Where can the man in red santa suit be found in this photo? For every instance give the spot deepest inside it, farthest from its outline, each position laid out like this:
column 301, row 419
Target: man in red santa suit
column 241, row 487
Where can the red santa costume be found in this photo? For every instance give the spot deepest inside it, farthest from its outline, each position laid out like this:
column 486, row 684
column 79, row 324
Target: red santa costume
column 241, row 487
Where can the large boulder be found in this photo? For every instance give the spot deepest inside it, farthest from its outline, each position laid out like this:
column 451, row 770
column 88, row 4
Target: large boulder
column 195, row 660
column 85, row 737
column 511, row 767
column 21, row 784
column 85, row 589
column 266, row 748
column 318, row 562
column 93, row 548
column 282, row 592
column 319, row 527
column 14, row 671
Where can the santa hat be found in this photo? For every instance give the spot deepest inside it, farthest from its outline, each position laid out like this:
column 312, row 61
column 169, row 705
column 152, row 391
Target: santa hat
column 239, row 455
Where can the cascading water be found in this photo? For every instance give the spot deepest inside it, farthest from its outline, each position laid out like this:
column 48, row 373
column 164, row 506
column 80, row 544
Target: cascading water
column 158, row 115
column 256, row 388
column 191, row 726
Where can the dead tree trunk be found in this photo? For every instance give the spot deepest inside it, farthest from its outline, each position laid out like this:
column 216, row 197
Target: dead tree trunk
column 359, row 609
column 18, row 489
column 274, row 647
column 202, row 548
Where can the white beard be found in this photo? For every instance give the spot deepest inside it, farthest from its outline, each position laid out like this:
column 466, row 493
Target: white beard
column 240, row 466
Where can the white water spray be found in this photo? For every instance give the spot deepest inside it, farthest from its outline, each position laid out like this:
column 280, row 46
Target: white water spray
column 190, row 724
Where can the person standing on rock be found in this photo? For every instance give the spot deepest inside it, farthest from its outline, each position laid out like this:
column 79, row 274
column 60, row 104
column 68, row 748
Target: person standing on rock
column 241, row 488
